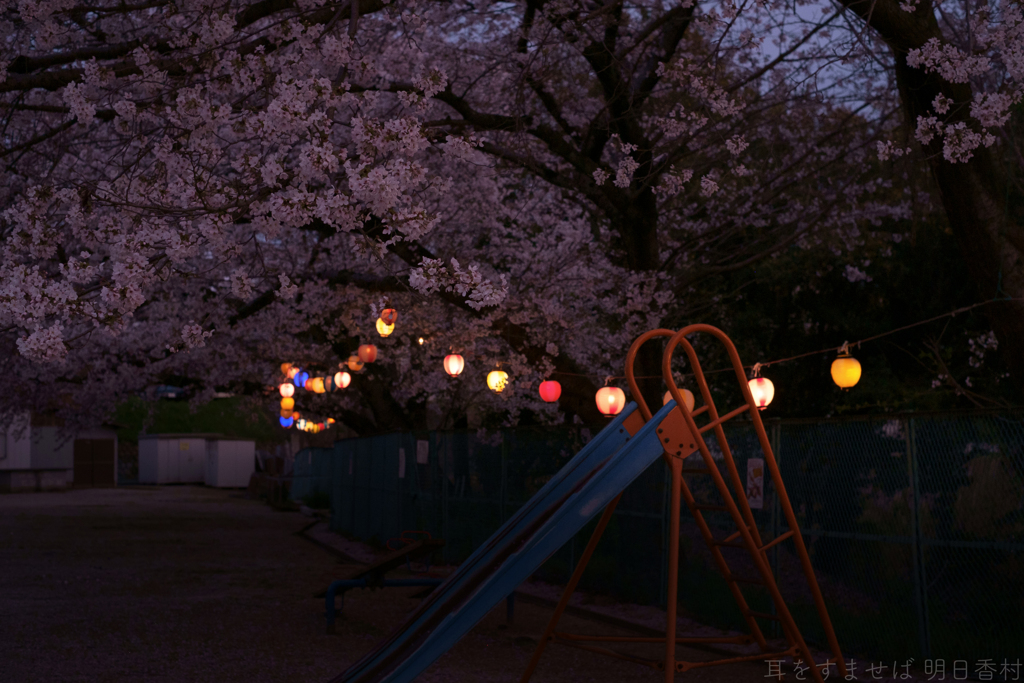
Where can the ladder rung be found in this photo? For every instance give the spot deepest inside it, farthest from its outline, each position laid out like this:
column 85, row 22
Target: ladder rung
column 762, row 615
column 696, row 471
column 778, row 539
column 711, row 507
column 738, row 579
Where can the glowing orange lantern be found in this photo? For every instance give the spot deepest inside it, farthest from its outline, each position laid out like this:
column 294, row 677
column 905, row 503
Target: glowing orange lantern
column 287, row 413
column 292, row 371
column 497, row 380
column 389, row 316
column 550, row 390
column 367, row 353
column 845, row 370
column 611, row 400
column 287, row 389
column 688, row 399
column 330, row 420
column 287, row 403
column 762, row 390
column 341, row 380
column 285, row 367
column 453, row 364
column 354, row 364
column 308, row 384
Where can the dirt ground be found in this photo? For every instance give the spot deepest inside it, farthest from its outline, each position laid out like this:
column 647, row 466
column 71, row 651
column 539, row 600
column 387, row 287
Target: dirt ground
column 192, row 584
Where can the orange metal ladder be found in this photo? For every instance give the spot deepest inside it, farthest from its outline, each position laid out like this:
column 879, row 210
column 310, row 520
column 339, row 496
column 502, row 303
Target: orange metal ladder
column 682, row 437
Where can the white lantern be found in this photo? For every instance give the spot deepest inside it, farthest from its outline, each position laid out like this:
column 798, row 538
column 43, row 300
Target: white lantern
column 762, row 390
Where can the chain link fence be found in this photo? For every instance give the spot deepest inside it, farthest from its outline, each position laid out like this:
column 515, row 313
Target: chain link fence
column 914, row 525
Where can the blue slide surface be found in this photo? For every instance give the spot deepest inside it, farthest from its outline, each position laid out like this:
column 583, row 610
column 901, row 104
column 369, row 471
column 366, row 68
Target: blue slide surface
column 578, row 492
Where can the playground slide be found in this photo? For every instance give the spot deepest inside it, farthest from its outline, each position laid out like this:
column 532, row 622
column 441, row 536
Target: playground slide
column 575, row 495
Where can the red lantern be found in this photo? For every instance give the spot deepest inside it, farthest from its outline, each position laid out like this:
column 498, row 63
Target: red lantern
column 367, row 353
column 611, row 400
column 341, row 380
column 389, row 316
column 550, row 390
column 453, row 364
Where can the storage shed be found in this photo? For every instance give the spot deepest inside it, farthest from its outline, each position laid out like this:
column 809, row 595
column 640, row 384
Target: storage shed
column 211, row 459
column 230, row 462
column 36, row 455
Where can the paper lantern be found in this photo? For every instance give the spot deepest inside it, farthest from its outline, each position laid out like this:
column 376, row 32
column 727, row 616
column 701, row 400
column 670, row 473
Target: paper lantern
column 329, row 383
column 292, row 371
column 296, row 415
column 300, row 424
column 285, row 367
column 354, row 364
column 422, row 341
column 287, row 413
column 389, row 316
column 453, row 364
column 367, row 353
column 330, row 420
column 317, row 385
column 550, row 390
column 287, row 403
column 497, row 380
column 287, row 389
column 300, row 379
column 763, row 391
column 383, row 328
column 611, row 400
column 308, row 384
column 286, row 422
column 688, row 399
column 845, row 371
column 341, row 380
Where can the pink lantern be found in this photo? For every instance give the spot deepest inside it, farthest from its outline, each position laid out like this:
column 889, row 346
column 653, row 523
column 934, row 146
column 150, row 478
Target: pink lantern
column 550, row 390
column 287, row 389
column 763, row 391
column 611, row 400
column 342, row 379
column 453, row 364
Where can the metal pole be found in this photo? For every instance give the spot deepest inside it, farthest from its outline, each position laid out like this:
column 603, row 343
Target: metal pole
column 504, row 474
column 776, row 438
column 920, row 587
column 667, row 487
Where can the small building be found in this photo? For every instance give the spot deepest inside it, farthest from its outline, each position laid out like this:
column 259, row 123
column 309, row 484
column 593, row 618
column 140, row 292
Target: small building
column 211, row 459
column 36, row 454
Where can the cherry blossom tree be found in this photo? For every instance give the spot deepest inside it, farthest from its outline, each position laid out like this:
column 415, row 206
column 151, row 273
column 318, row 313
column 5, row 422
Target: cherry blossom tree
column 196, row 192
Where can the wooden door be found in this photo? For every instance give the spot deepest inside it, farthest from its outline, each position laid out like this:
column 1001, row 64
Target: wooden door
column 94, row 463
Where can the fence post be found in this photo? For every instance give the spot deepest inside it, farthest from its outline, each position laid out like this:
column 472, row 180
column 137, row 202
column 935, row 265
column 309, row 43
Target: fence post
column 666, row 486
column 776, row 437
column 920, row 588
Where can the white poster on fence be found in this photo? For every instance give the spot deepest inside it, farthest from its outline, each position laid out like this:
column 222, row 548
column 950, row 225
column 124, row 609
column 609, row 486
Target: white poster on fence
column 422, row 452
column 401, row 463
column 755, row 483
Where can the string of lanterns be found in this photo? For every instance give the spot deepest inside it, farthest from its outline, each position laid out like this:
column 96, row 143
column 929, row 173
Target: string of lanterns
column 846, row 373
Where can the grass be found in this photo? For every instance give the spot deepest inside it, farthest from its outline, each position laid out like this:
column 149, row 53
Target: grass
column 227, row 416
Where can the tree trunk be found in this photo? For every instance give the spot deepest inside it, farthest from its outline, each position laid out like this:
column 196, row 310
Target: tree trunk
column 973, row 193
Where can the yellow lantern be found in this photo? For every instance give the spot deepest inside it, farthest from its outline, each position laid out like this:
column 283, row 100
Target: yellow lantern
column 845, row 369
column 610, row 400
column 354, row 364
column 497, row 380
column 762, row 390
column 341, row 380
column 383, row 328
column 688, row 399
column 287, row 389
column 453, row 365
column 287, row 403
column 317, row 385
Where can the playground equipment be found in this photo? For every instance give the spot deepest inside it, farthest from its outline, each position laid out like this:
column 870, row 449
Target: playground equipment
column 591, row 482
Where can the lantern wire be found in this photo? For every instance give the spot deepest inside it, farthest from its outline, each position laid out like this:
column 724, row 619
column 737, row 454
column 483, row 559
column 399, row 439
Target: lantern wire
column 844, row 345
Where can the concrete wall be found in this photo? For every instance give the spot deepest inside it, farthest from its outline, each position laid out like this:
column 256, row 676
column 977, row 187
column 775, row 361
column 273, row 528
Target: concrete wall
column 52, row 450
column 16, row 452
